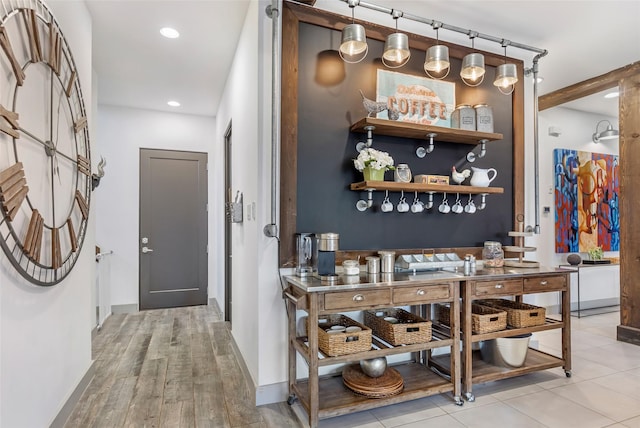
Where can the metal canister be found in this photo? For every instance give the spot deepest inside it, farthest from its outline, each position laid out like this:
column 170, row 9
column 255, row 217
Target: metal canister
column 328, row 241
column 484, row 117
column 373, row 264
column 464, row 117
column 387, row 261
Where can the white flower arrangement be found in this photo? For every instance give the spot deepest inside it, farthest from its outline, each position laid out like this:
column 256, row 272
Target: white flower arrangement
column 374, row 159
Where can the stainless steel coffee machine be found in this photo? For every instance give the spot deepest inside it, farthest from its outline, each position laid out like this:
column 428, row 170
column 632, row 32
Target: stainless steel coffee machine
column 307, row 250
column 327, row 247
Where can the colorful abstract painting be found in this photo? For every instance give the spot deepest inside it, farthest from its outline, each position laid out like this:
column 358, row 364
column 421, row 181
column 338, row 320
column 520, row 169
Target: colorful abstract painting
column 586, row 192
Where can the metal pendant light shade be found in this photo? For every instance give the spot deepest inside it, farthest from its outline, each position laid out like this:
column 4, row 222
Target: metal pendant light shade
column 396, row 50
column 353, row 47
column 437, row 61
column 607, row 134
column 472, row 71
column 506, row 78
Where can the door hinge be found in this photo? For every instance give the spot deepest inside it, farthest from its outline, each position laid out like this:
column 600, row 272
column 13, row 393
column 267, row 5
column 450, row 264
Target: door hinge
column 207, row 207
column 207, row 248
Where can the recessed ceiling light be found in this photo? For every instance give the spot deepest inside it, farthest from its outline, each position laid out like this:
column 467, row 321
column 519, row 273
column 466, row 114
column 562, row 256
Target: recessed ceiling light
column 169, row 33
column 614, row 94
column 173, row 103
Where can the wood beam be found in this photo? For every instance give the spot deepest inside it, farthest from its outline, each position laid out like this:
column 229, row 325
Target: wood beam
column 588, row 87
column 629, row 122
column 289, row 138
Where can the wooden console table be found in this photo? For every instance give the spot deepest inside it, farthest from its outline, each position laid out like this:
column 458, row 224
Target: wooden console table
column 326, row 396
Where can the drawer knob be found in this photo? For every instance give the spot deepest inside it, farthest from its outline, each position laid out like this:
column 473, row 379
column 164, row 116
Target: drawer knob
column 544, row 282
column 498, row 286
column 358, row 298
column 420, row 292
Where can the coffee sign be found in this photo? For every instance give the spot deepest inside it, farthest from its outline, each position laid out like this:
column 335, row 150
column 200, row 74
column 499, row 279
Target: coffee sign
column 415, row 99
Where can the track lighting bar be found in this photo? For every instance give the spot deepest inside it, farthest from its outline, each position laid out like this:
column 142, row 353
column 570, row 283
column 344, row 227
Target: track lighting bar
column 433, row 23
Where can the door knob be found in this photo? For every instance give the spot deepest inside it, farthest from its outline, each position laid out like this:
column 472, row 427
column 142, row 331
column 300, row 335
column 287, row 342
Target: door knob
column 146, row 250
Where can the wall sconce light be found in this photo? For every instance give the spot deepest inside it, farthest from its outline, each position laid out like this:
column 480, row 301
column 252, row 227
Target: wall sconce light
column 507, row 74
column 437, row 59
column 607, row 134
column 472, row 71
column 396, row 48
column 353, row 46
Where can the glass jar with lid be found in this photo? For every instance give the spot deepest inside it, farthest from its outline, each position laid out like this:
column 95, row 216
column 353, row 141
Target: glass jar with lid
column 402, row 174
column 492, row 254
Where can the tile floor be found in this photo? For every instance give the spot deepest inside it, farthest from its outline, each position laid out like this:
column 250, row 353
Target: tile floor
column 604, row 390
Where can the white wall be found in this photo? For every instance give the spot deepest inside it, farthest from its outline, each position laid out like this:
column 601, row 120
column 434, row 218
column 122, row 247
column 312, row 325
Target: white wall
column 258, row 316
column 121, row 133
column 45, row 338
column 240, row 107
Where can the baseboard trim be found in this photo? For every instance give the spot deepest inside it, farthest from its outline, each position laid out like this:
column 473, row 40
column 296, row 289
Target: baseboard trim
column 264, row 394
column 629, row 334
column 243, row 366
column 74, row 398
column 130, row 308
column 274, row 393
column 586, row 305
column 593, row 304
column 214, row 302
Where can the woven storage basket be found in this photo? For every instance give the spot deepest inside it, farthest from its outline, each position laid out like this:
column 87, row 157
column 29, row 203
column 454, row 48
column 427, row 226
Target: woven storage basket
column 343, row 343
column 518, row 314
column 409, row 329
column 442, row 311
column 484, row 319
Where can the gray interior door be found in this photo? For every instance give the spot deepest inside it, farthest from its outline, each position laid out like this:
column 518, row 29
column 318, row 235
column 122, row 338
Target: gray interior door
column 173, row 229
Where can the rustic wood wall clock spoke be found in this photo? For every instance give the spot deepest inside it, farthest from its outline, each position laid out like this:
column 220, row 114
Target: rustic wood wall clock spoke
column 45, row 159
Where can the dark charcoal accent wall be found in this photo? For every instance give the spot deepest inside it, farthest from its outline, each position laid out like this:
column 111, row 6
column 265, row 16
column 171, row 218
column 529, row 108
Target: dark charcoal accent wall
column 326, row 149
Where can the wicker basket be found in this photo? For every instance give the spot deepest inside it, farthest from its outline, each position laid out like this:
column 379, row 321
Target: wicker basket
column 409, row 329
column 518, row 314
column 342, row 343
column 484, row 319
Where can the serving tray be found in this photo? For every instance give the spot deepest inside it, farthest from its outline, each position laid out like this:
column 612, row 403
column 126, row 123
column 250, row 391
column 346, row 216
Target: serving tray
column 428, row 261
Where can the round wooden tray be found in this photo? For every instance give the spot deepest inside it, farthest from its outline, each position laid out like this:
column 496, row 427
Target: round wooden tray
column 521, row 264
column 390, row 383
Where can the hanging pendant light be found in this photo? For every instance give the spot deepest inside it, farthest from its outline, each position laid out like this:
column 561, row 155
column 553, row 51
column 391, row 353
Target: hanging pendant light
column 353, row 46
column 396, row 47
column 472, row 71
column 506, row 74
column 437, row 59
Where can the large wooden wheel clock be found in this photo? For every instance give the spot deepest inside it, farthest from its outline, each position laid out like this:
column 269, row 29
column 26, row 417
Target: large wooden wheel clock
column 45, row 161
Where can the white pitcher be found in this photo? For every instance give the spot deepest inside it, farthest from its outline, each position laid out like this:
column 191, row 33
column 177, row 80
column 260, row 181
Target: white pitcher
column 480, row 177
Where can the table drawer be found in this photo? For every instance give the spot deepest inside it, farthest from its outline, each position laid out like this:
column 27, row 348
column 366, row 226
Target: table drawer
column 487, row 288
column 545, row 283
column 357, row 299
column 424, row 293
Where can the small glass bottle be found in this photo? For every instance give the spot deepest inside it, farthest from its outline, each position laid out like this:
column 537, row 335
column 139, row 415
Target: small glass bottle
column 492, row 254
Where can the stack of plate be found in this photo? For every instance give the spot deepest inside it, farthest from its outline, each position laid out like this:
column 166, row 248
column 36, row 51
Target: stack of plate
column 390, row 383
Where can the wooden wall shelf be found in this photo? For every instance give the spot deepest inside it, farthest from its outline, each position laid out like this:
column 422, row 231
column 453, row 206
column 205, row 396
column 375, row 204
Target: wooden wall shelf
column 414, row 130
column 392, row 186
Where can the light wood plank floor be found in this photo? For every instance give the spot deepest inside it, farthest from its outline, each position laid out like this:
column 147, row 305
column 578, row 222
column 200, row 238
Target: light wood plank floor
column 170, row 368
